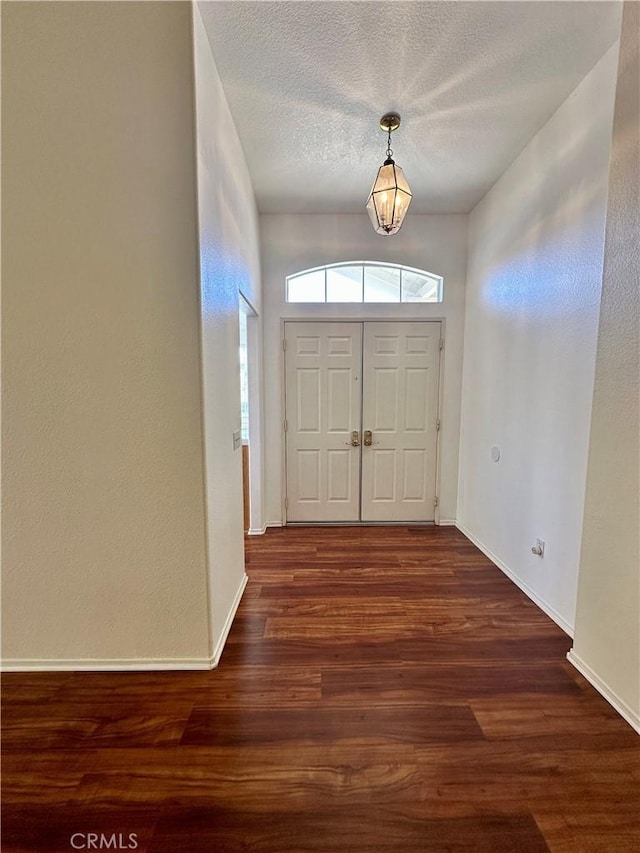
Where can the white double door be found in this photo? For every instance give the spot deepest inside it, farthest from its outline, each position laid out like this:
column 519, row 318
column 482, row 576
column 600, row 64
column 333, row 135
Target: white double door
column 361, row 420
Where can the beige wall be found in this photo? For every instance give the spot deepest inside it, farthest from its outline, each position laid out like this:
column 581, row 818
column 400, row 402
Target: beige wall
column 104, row 523
column 536, row 245
column 607, row 636
column 229, row 264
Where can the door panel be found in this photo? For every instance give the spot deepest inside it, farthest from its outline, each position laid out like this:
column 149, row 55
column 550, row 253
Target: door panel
column 323, row 405
column 308, row 400
column 400, row 407
column 308, row 471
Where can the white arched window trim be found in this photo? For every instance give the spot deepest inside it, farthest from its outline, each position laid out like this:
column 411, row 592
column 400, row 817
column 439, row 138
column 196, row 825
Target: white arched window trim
column 364, row 281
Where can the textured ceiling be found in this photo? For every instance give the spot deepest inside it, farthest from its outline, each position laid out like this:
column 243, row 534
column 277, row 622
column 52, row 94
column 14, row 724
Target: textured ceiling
column 308, row 81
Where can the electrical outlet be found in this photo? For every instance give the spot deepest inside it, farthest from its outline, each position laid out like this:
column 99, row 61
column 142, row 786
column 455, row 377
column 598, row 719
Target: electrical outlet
column 538, row 548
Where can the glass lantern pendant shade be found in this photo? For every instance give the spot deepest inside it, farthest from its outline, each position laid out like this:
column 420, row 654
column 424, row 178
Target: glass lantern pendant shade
column 390, row 195
column 389, row 199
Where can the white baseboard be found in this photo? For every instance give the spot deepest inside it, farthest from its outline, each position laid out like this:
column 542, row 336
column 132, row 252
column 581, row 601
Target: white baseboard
column 99, row 665
column 542, row 604
column 603, row 688
column 257, row 531
column 219, row 647
column 447, row 522
column 274, row 524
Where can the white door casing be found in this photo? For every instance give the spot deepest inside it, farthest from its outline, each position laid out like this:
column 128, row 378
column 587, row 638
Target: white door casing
column 342, row 377
column 323, row 408
column 400, row 410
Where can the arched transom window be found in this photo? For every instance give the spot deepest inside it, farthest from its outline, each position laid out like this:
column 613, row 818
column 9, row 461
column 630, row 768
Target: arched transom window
column 364, row 281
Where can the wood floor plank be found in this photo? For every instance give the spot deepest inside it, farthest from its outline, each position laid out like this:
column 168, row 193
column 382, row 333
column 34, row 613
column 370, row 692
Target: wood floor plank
column 382, row 689
column 345, row 629
column 92, row 725
column 413, row 682
column 256, row 686
column 358, row 831
column 416, row 724
column 50, row 831
column 535, row 715
column 604, row 830
column 261, row 788
column 26, row 688
column 337, row 606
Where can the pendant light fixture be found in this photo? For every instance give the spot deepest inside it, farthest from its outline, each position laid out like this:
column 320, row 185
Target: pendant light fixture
column 390, row 195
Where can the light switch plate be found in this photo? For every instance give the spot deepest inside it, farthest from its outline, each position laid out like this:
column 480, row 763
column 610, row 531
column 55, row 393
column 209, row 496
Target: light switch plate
column 237, row 439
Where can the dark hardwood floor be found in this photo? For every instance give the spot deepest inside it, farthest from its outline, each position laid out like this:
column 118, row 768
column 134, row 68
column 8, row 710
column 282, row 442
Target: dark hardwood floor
column 383, row 690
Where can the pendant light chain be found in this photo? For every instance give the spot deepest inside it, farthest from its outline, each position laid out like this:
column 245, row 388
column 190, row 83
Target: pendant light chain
column 389, row 149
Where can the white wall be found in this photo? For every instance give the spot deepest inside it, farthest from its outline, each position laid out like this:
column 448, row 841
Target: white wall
column 104, row 524
column 291, row 243
column 229, row 264
column 607, row 635
column 533, row 294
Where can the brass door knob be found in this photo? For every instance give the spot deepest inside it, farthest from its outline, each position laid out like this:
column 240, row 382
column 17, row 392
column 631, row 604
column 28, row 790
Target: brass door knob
column 368, row 438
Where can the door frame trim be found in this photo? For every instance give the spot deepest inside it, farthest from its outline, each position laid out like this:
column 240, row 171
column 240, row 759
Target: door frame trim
column 283, row 403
